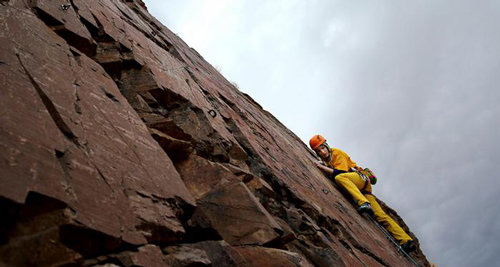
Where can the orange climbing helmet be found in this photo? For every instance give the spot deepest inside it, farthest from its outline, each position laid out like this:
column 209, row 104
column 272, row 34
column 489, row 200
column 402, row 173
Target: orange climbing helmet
column 316, row 141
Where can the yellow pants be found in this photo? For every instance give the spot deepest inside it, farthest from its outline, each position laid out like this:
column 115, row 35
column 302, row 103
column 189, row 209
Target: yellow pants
column 353, row 183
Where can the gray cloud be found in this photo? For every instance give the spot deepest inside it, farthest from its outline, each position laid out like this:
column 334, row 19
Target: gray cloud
column 406, row 88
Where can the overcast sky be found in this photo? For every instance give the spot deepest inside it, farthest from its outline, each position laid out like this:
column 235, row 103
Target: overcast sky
column 407, row 88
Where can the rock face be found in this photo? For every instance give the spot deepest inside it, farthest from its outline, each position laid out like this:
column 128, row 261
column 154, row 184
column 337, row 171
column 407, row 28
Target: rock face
column 120, row 145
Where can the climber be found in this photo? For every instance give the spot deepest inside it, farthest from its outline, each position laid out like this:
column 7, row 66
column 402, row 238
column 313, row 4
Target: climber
column 340, row 168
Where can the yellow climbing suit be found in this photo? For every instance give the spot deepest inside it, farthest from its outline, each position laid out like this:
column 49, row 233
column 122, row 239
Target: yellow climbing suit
column 353, row 183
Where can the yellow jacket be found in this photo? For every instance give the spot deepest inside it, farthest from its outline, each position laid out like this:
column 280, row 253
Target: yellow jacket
column 340, row 160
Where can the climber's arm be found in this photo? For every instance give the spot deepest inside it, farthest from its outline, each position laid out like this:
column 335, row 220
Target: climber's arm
column 320, row 165
column 330, row 172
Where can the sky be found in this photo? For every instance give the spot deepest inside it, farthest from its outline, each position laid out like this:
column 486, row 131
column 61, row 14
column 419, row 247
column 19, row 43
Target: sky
column 409, row 89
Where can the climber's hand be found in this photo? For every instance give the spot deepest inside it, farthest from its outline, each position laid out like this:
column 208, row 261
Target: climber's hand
column 319, row 164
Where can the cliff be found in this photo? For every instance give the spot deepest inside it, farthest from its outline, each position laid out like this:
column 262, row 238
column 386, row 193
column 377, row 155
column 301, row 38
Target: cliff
column 120, row 145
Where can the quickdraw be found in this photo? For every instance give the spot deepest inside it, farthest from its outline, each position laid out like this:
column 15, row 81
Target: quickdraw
column 212, row 113
column 65, row 7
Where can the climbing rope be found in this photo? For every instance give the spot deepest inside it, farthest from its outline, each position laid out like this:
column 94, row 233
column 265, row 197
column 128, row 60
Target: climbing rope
column 392, row 240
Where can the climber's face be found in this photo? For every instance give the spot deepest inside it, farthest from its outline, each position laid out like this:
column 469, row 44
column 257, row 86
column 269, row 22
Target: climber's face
column 322, row 151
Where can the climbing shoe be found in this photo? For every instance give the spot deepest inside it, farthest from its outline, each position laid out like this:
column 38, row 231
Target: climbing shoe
column 365, row 208
column 409, row 246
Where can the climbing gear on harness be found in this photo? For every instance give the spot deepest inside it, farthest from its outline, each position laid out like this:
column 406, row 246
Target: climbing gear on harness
column 365, row 208
column 367, row 175
column 316, row 141
column 365, row 178
column 400, row 248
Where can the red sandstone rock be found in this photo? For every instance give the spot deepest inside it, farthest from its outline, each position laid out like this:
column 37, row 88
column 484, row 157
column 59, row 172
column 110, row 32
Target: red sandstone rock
column 186, row 255
column 148, row 255
column 202, row 176
column 117, row 127
column 238, row 216
column 220, row 253
column 269, row 257
column 71, row 135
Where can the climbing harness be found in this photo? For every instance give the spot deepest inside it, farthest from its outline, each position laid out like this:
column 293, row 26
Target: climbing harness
column 367, row 175
column 392, row 240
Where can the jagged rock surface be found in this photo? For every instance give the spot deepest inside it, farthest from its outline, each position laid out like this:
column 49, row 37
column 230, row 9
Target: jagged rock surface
column 120, row 145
